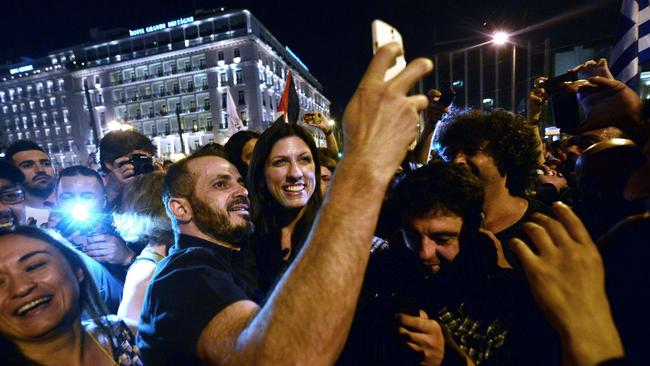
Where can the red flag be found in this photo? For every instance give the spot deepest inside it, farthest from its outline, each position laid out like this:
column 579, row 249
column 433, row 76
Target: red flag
column 289, row 104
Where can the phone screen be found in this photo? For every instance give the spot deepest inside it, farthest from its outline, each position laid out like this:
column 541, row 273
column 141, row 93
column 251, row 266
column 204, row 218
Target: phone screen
column 566, row 110
column 383, row 33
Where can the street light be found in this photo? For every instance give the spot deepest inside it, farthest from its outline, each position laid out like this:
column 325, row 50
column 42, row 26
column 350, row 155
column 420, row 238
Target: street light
column 500, row 38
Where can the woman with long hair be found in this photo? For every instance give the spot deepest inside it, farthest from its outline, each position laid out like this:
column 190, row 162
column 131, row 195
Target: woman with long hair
column 45, row 292
column 284, row 189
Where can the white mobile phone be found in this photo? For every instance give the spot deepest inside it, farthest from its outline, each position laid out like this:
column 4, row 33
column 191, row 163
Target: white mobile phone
column 383, row 33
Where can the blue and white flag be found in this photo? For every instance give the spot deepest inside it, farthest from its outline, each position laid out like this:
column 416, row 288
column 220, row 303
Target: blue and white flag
column 633, row 47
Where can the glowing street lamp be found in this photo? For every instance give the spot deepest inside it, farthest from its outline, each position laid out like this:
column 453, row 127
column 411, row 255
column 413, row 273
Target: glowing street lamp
column 500, row 38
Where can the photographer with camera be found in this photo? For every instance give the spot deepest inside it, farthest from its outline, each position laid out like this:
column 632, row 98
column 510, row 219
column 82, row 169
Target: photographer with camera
column 122, row 156
column 80, row 217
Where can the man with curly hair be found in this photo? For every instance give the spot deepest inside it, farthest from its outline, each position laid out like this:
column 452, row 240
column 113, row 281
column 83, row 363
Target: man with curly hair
column 501, row 150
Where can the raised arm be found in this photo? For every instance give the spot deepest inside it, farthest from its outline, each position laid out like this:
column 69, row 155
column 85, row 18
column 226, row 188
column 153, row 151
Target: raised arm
column 307, row 317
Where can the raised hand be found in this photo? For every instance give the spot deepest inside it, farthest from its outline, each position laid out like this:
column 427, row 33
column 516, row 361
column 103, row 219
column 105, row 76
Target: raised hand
column 380, row 121
column 567, row 279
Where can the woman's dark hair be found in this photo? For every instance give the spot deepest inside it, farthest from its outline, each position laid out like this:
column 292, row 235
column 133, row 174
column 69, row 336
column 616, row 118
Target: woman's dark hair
column 510, row 142
column 264, row 208
column 90, row 302
column 234, row 147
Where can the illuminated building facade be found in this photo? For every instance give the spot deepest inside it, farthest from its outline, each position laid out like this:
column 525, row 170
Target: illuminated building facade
column 143, row 77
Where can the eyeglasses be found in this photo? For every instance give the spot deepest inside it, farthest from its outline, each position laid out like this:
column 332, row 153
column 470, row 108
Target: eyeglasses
column 12, row 196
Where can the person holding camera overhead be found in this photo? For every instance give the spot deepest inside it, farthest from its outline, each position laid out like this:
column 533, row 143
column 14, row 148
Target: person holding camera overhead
column 122, row 156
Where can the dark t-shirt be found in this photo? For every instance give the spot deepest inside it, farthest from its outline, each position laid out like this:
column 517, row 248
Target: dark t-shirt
column 514, row 231
column 189, row 287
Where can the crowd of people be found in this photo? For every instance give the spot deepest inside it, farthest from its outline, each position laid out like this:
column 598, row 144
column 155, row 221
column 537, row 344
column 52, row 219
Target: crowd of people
column 483, row 245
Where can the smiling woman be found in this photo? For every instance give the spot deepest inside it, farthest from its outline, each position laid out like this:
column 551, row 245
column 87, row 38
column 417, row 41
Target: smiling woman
column 45, row 290
column 285, row 196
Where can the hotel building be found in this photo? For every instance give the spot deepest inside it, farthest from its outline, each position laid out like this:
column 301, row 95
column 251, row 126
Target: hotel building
column 149, row 77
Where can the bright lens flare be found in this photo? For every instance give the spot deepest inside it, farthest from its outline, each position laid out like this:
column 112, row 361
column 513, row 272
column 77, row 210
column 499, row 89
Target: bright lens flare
column 500, row 38
column 80, row 212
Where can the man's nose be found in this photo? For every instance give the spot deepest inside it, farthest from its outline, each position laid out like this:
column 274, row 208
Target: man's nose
column 428, row 249
column 460, row 158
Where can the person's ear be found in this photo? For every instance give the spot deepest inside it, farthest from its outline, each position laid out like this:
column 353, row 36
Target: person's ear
column 79, row 273
column 181, row 209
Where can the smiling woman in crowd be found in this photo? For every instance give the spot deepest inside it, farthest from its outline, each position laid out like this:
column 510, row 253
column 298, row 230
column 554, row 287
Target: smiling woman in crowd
column 45, row 292
column 284, row 189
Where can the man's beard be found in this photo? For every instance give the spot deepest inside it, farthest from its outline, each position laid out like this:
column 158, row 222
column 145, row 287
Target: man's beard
column 42, row 190
column 217, row 224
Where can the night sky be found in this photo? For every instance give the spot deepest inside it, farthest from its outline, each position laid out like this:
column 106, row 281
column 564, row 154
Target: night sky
column 331, row 37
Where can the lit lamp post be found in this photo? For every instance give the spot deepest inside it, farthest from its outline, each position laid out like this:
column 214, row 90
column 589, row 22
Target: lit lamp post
column 499, row 39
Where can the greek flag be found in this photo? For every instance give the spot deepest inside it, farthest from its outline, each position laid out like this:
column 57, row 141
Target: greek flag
column 633, row 47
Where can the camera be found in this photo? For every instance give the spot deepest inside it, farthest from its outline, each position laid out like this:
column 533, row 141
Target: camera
column 142, row 164
column 76, row 216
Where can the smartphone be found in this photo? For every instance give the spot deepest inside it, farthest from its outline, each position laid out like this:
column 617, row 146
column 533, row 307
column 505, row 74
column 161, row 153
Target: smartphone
column 554, row 85
column 383, row 33
column 566, row 110
column 313, row 118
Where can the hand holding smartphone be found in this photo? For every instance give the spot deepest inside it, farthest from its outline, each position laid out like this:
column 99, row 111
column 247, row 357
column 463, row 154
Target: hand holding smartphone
column 383, row 33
